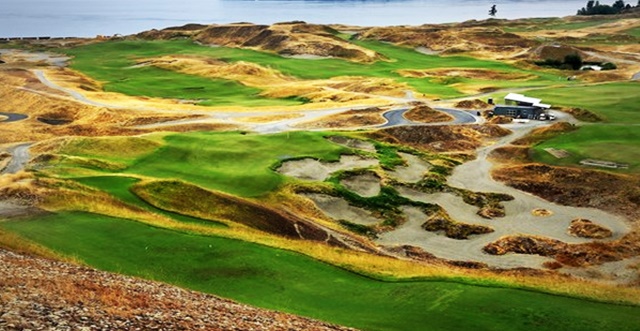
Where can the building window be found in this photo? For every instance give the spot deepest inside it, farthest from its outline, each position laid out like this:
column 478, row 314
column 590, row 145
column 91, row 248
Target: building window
column 511, row 112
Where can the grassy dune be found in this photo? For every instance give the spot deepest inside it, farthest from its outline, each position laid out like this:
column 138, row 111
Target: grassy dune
column 112, row 63
column 291, row 282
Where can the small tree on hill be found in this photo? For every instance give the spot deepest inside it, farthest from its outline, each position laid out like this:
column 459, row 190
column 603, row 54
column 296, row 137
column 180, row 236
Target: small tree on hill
column 574, row 61
column 493, row 10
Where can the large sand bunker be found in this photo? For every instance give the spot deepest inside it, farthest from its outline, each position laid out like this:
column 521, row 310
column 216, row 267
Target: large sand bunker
column 312, row 169
column 339, row 209
column 413, row 171
column 366, row 185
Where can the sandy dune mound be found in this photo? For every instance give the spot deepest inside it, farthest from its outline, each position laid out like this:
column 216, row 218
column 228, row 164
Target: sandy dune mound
column 585, row 254
column 555, row 52
column 473, row 104
column 587, row 188
column 312, row 169
column 587, row 229
column 294, row 38
column 424, row 114
column 441, row 138
column 483, row 41
column 453, row 229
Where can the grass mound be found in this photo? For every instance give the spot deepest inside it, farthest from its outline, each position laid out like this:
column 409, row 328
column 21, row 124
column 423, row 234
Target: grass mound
column 441, row 138
column 453, row 229
column 198, row 202
column 425, row 114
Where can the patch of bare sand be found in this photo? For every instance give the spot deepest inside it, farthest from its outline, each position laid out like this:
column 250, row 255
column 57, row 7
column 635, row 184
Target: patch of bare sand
column 340, row 209
column 312, row 169
column 366, row 185
column 11, row 209
column 413, row 171
column 353, row 143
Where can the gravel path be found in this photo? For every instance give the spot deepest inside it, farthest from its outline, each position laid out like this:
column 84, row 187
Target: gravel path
column 19, row 159
column 40, row 294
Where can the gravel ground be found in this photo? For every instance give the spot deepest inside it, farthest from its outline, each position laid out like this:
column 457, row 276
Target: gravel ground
column 40, row 294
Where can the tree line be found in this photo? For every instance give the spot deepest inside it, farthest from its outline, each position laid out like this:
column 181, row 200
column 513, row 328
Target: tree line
column 595, row 8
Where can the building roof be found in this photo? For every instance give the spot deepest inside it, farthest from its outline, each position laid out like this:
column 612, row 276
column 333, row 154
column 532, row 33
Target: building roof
column 524, row 99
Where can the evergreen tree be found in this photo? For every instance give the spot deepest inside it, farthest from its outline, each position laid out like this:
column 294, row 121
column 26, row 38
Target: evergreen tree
column 493, row 10
column 574, row 61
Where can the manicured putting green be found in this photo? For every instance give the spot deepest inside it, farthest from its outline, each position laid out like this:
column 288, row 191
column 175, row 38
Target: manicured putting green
column 291, row 282
column 609, row 142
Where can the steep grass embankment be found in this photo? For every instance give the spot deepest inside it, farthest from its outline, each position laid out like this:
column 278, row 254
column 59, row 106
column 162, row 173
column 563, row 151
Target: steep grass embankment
column 291, row 282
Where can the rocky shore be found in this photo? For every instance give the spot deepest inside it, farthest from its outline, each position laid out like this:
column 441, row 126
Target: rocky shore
column 41, row 294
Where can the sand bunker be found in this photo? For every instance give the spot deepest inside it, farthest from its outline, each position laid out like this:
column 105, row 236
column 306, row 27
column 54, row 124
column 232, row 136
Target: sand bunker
column 312, row 169
column 339, row 209
column 367, row 185
column 413, row 171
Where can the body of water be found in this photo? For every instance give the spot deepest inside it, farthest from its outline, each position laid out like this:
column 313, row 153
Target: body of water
column 88, row 18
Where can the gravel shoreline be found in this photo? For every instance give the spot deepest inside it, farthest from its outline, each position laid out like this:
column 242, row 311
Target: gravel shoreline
column 41, row 294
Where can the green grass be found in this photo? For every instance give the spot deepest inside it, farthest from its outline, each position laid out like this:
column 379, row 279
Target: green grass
column 617, row 143
column 231, row 162
column 615, row 102
column 615, row 140
column 634, row 32
column 111, row 62
column 291, row 282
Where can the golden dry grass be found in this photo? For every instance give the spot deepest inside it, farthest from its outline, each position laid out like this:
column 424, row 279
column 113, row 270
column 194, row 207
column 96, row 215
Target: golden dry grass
column 426, row 114
column 277, row 85
column 22, row 93
column 484, row 74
